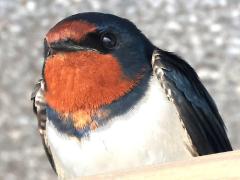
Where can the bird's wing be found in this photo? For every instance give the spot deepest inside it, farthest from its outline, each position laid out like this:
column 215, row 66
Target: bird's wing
column 39, row 108
column 195, row 106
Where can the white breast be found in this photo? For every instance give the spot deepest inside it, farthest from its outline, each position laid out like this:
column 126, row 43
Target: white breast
column 149, row 133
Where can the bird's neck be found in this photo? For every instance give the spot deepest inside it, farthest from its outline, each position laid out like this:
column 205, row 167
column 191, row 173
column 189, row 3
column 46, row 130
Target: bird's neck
column 83, row 86
column 126, row 102
column 85, row 81
column 81, row 123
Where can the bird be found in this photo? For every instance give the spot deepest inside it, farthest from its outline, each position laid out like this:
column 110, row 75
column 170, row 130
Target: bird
column 108, row 99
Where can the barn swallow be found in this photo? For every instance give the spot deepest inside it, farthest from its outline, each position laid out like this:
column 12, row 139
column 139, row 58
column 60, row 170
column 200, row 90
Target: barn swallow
column 110, row 100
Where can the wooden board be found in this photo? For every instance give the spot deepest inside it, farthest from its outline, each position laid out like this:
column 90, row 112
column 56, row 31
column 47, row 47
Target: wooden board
column 222, row 166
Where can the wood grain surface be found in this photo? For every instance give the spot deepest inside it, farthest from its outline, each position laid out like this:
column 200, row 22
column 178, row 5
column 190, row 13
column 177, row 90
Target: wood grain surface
column 222, row 166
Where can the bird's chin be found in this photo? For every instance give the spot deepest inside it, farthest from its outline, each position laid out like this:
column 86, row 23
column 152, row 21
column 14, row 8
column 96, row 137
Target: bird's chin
column 84, row 81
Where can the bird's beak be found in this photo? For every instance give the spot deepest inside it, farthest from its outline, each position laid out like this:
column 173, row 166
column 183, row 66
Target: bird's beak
column 67, row 46
column 63, row 46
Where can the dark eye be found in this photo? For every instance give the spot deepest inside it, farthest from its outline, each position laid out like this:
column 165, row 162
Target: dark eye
column 109, row 40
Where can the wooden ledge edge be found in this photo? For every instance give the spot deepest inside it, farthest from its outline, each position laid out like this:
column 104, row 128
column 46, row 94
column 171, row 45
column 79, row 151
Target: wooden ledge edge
column 221, row 166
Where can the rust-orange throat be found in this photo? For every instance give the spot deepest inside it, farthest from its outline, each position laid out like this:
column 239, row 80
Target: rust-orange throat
column 84, row 81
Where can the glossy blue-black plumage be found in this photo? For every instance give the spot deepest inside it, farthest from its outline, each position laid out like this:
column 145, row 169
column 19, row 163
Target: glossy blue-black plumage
column 195, row 106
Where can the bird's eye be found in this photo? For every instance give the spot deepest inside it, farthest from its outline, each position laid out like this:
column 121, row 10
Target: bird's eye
column 109, row 40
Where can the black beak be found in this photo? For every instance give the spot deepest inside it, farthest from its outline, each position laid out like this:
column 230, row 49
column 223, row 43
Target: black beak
column 63, row 46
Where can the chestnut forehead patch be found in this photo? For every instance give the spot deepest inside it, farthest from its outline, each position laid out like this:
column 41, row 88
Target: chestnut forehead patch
column 74, row 30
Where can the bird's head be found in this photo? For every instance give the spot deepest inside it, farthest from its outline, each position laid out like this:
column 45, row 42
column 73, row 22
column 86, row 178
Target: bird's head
column 93, row 59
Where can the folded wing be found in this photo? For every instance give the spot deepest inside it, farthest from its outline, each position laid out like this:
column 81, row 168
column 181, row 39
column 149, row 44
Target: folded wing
column 195, row 106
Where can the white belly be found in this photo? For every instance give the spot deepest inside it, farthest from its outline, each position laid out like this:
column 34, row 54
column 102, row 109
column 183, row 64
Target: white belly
column 149, row 133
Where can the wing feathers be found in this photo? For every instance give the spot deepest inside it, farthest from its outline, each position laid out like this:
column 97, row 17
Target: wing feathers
column 195, row 106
